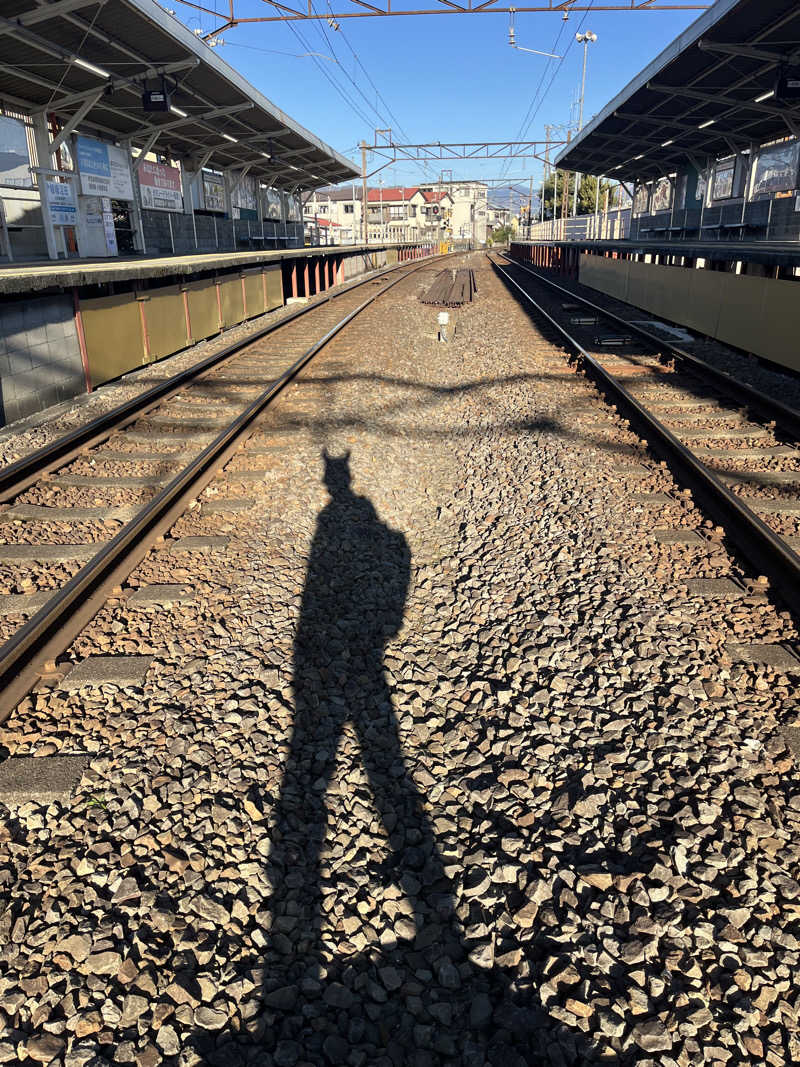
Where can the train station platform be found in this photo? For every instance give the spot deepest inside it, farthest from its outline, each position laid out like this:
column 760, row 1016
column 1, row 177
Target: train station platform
column 770, row 254
column 67, row 327
column 745, row 295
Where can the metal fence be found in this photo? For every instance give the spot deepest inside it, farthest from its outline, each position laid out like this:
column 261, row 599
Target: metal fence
column 605, row 226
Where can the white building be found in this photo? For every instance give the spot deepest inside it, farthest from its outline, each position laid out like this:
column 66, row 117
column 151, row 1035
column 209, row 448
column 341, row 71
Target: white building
column 448, row 210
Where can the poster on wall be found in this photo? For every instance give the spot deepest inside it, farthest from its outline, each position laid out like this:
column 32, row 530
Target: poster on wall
column 108, row 226
column 213, row 192
column 293, row 213
column 245, row 200
column 776, row 168
column 700, row 189
column 104, row 169
column 160, row 186
column 61, row 203
column 680, row 192
column 722, row 189
column 273, row 203
column 662, row 195
column 14, row 159
column 641, row 200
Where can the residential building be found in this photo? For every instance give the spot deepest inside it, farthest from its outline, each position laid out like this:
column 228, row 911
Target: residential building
column 409, row 213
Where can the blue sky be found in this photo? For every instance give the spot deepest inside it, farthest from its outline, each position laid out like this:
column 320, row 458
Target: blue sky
column 444, row 77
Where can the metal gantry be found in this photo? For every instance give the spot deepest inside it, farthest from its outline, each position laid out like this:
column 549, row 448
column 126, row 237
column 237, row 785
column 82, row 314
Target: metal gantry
column 362, row 9
column 436, row 151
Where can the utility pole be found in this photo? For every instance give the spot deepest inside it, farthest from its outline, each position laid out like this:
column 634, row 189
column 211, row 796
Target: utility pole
column 530, row 207
column 364, row 229
column 565, row 204
column 585, row 39
column 547, row 130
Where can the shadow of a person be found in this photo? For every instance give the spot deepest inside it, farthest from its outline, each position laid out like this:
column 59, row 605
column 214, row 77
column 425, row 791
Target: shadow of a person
column 353, row 603
column 335, row 989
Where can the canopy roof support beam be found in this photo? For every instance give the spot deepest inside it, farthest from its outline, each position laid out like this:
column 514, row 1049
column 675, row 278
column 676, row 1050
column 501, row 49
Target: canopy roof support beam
column 146, row 147
column 76, row 119
column 726, row 101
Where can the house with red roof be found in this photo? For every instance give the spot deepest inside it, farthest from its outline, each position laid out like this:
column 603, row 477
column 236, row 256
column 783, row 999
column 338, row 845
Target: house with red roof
column 394, row 213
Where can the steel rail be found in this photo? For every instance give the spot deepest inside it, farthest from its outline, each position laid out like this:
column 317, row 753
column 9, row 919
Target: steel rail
column 52, row 629
column 22, row 473
column 764, row 549
column 786, row 417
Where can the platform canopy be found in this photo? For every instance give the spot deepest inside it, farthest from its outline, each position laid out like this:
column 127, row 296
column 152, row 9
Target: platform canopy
column 89, row 62
column 710, row 93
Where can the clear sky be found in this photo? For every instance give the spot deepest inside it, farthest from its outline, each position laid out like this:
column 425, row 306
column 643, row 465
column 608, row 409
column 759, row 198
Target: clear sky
column 439, row 77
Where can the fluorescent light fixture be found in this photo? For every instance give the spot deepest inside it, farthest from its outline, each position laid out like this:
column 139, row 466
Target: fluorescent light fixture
column 764, row 96
column 228, row 137
column 666, row 143
column 177, row 111
column 90, row 67
column 638, row 157
column 266, row 155
column 703, row 125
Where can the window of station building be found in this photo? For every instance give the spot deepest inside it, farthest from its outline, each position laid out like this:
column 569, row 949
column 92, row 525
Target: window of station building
column 348, row 209
column 776, row 169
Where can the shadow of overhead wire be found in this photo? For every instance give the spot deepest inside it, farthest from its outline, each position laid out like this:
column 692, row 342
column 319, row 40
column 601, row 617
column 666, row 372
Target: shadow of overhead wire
column 423, row 398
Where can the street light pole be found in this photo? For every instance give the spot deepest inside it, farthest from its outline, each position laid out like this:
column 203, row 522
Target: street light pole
column 585, row 39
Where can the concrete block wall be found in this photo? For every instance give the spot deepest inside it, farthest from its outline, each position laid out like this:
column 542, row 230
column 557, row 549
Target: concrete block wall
column 40, row 358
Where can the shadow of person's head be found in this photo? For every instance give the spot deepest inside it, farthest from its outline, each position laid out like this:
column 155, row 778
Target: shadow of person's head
column 337, row 476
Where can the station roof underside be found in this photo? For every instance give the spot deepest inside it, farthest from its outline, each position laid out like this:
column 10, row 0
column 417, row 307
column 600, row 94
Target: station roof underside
column 135, row 42
column 698, row 97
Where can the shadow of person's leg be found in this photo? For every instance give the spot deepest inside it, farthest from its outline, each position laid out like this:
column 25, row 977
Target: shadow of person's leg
column 415, row 862
column 299, row 832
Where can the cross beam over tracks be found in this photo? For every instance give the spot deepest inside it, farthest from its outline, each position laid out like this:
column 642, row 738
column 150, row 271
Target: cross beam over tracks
column 437, row 151
column 361, row 9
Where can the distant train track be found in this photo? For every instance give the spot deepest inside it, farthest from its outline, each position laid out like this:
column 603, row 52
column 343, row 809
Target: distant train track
column 733, row 446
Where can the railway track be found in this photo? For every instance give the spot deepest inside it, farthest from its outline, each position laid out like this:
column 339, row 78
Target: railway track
column 80, row 513
column 734, row 447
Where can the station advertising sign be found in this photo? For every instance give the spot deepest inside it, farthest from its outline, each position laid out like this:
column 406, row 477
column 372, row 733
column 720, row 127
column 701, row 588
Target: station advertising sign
column 273, row 199
column 641, row 200
column 104, row 169
column 776, row 168
column 245, row 199
column 722, row 189
column 14, row 159
column 61, row 203
column 160, row 186
column 293, row 212
column 213, row 193
column 108, row 226
column 662, row 195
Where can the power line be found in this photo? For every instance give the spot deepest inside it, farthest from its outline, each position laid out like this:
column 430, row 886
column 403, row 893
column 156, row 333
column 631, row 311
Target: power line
column 350, row 103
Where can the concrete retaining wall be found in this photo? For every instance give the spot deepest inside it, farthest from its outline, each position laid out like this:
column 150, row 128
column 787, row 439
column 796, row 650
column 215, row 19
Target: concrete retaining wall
column 759, row 315
column 40, row 356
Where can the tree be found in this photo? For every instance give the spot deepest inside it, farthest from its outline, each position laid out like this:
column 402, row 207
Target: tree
column 501, row 236
column 586, row 194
